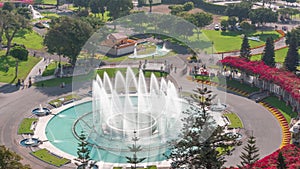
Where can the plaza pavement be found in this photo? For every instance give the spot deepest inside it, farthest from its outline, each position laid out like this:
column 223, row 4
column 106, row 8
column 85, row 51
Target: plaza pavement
column 17, row 104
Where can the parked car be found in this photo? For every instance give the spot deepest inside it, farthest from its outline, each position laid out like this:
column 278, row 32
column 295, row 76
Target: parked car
column 217, row 27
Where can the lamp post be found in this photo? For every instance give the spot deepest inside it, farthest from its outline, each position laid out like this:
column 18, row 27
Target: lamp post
column 150, row 4
column 212, row 50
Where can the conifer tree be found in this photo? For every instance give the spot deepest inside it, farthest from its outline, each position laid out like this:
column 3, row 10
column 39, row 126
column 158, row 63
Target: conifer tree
column 83, row 151
column 245, row 48
column 269, row 54
column 292, row 57
column 200, row 137
column 281, row 161
column 135, row 148
column 250, row 156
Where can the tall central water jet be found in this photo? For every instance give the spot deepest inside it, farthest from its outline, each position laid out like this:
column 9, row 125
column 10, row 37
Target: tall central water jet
column 131, row 104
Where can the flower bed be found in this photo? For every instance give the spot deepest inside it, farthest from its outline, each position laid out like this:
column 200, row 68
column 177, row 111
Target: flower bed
column 285, row 79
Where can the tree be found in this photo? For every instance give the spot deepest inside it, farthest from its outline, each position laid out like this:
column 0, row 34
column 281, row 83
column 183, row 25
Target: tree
column 200, row 19
column 232, row 21
column 239, row 10
column 11, row 24
column 224, row 24
column 95, row 6
column 24, row 12
column 250, row 154
column 81, row 3
column 83, row 151
column 200, row 137
column 8, row 6
column 292, row 58
column 281, row 161
column 263, row 15
column 293, row 33
column 269, row 54
column 245, row 48
column 119, row 8
column 246, row 26
column 135, row 148
column 150, row 5
column 9, row 159
column 20, row 54
column 67, row 36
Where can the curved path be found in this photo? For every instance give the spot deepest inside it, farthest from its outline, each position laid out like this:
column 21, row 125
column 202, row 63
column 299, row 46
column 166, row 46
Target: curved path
column 17, row 105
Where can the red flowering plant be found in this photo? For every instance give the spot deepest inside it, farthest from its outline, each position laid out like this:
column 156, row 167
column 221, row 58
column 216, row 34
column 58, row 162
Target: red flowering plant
column 290, row 152
column 285, row 79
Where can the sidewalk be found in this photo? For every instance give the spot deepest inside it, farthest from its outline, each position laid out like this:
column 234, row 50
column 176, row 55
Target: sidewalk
column 36, row 72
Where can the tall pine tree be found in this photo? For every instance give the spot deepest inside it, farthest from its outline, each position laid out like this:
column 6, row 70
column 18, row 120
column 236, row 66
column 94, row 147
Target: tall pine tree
column 292, row 58
column 83, row 151
column 269, row 54
column 135, row 148
column 200, row 137
column 281, row 161
column 250, row 156
column 245, row 48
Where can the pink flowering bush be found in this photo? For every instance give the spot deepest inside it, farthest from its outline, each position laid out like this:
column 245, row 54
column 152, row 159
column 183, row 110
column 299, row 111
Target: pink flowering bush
column 285, row 79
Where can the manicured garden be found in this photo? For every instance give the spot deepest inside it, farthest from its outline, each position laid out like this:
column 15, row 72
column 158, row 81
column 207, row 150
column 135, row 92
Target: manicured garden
column 235, row 121
column 286, row 110
column 63, row 100
column 50, row 158
column 8, row 68
column 25, row 126
column 232, row 40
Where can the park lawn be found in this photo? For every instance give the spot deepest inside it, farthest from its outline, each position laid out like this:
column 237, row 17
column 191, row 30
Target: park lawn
column 30, row 39
column 232, row 40
column 50, row 158
column 286, row 111
column 235, row 121
column 241, row 86
column 51, row 68
column 58, row 102
column 50, row 2
column 279, row 55
column 50, row 15
column 25, row 126
column 24, row 68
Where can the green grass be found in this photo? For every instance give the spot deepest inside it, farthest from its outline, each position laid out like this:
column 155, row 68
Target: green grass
column 49, row 158
column 50, row 15
column 24, row 68
column 279, row 55
column 51, row 68
column 232, row 40
column 30, row 39
column 111, row 72
column 241, row 86
column 58, row 102
column 52, row 2
column 25, row 125
column 235, row 121
column 286, row 111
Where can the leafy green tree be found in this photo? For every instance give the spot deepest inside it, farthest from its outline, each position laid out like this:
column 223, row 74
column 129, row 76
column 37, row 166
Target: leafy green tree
column 81, row 3
column 200, row 137
column 11, row 24
column 188, row 6
column 250, row 154
column 290, row 1
column 10, row 160
column 200, row 19
column 8, row 6
column 239, row 10
column 293, row 33
column 292, row 58
column 24, row 12
column 232, row 21
column 263, row 15
column 135, row 148
column 95, row 23
column 245, row 51
column 95, row 6
column 20, row 54
column 246, row 26
column 83, row 151
column 224, row 23
column 268, row 56
column 67, row 36
column 119, row 8
column 281, row 161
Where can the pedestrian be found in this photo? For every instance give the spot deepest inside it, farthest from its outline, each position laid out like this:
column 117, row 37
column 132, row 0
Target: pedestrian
column 34, row 54
column 40, row 71
column 175, row 69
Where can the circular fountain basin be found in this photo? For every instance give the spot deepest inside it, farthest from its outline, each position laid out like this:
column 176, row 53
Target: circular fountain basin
column 143, row 124
column 239, row 135
column 41, row 112
column 30, row 142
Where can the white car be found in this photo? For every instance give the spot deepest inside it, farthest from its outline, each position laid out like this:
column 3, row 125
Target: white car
column 217, row 27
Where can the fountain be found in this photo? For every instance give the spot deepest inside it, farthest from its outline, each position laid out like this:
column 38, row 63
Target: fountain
column 35, row 14
column 159, row 51
column 218, row 106
column 41, row 111
column 30, row 142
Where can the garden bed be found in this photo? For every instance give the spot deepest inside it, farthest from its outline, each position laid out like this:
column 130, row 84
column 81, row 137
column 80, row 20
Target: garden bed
column 63, row 100
column 235, row 121
column 25, row 126
column 50, row 158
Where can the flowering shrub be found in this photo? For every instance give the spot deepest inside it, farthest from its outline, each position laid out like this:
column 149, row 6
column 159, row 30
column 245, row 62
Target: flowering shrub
column 290, row 152
column 285, row 79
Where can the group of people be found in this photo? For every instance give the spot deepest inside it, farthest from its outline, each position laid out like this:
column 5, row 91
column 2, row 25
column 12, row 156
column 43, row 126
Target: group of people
column 23, row 84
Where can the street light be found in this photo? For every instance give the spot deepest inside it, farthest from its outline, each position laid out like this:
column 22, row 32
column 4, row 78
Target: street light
column 212, row 50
